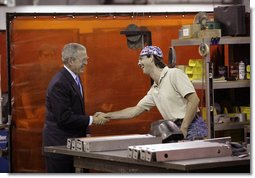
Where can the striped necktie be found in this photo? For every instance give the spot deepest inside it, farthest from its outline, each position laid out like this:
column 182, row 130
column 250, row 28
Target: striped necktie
column 79, row 84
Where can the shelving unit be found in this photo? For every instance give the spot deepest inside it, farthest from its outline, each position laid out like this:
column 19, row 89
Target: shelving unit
column 231, row 126
column 223, row 40
column 209, row 84
column 224, row 84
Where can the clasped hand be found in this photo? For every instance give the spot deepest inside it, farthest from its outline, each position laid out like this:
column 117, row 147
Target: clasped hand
column 99, row 118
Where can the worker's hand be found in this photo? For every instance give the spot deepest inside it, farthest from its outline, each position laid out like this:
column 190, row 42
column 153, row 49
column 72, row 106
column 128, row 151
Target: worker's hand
column 99, row 120
column 98, row 113
column 105, row 115
column 184, row 131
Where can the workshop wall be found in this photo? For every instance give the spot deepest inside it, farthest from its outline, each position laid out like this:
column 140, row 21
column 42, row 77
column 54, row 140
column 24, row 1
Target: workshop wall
column 112, row 79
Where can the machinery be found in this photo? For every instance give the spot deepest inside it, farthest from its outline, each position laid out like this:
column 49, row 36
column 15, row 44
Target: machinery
column 202, row 27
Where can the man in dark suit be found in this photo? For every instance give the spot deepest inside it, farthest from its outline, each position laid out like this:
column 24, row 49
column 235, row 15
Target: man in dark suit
column 65, row 109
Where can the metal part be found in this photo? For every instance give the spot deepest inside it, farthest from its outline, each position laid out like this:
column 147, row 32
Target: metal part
column 193, row 150
column 203, row 49
column 143, row 154
column 69, row 143
column 218, row 140
column 73, row 145
column 136, row 152
column 142, row 151
column 210, row 95
column 106, row 143
column 201, row 18
column 167, row 130
column 148, row 152
column 139, row 151
column 130, row 151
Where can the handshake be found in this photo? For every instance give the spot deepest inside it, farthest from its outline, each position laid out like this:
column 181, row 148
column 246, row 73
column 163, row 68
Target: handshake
column 100, row 118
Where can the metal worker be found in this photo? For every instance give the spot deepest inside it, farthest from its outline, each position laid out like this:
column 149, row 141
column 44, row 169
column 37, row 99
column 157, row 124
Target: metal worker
column 172, row 93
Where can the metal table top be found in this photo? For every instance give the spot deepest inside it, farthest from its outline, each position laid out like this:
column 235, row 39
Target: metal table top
column 121, row 157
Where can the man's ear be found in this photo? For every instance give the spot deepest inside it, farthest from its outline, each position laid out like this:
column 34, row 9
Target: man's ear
column 70, row 61
column 151, row 59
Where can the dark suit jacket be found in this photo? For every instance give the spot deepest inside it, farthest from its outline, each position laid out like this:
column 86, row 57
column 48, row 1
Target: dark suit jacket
column 65, row 112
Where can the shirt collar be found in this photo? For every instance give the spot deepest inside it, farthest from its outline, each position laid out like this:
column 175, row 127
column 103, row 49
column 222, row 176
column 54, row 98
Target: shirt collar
column 162, row 75
column 73, row 74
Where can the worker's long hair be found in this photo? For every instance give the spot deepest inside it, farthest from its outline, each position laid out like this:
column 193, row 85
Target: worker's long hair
column 158, row 61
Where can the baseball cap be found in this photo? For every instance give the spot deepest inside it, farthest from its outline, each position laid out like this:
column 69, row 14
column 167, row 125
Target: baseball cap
column 151, row 50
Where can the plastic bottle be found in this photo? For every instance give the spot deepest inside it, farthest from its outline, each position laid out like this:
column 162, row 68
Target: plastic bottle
column 241, row 70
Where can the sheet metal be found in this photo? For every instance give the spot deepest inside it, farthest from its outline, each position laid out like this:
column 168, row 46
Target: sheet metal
column 140, row 151
column 194, row 151
column 117, row 142
column 148, row 152
column 218, row 140
column 188, row 150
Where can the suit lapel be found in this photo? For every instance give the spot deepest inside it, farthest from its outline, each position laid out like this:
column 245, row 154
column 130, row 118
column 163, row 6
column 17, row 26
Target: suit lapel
column 74, row 85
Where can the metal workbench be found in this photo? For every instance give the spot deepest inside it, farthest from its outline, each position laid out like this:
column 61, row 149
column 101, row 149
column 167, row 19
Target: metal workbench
column 118, row 162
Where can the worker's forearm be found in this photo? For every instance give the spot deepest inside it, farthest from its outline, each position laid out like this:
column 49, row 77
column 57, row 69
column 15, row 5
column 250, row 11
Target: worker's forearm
column 191, row 110
column 125, row 113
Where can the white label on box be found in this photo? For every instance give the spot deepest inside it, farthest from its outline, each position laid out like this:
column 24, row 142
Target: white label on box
column 185, row 32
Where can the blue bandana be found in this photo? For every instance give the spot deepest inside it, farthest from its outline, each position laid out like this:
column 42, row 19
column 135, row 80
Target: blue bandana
column 152, row 50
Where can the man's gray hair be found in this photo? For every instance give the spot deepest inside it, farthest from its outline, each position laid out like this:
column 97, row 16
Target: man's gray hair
column 71, row 51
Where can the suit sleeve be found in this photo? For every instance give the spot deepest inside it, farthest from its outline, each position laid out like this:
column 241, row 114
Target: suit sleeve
column 67, row 108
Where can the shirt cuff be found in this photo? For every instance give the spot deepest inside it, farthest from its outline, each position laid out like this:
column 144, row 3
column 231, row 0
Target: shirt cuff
column 90, row 120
